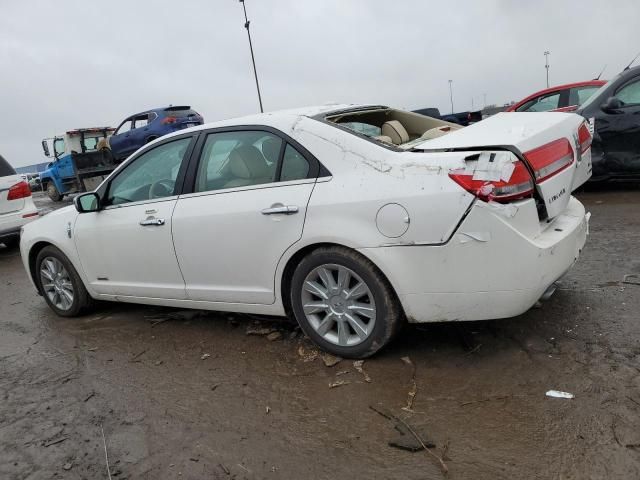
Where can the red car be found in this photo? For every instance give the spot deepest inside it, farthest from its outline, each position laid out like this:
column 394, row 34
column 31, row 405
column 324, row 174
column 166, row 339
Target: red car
column 563, row 98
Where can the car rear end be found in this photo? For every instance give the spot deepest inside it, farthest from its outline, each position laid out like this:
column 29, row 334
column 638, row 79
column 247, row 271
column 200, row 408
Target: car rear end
column 522, row 232
column 16, row 204
column 179, row 118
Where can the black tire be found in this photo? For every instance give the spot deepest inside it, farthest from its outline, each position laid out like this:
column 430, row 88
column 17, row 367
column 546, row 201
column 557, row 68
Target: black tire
column 388, row 313
column 11, row 242
column 53, row 192
column 82, row 301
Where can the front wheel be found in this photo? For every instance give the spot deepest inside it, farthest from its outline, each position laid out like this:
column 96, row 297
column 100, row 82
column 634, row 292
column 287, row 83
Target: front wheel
column 344, row 303
column 53, row 192
column 60, row 283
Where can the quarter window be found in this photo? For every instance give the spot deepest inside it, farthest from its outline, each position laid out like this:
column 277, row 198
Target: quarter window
column 238, row 159
column 294, row 165
column 579, row 95
column 630, row 93
column 141, row 121
column 150, row 176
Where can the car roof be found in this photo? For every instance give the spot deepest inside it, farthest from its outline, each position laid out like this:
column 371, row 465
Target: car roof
column 588, row 83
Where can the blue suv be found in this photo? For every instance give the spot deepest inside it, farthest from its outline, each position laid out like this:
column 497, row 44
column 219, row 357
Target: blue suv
column 144, row 127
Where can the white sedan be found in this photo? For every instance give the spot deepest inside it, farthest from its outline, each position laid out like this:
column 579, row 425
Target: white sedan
column 352, row 219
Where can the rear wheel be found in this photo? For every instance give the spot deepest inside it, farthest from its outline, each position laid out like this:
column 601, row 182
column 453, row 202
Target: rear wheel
column 60, row 283
column 344, row 303
column 53, row 192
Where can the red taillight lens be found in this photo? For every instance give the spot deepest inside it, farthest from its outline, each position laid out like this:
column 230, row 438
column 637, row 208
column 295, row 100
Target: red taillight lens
column 19, row 190
column 167, row 120
column 550, row 159
column 519, row 184
column 584, row 137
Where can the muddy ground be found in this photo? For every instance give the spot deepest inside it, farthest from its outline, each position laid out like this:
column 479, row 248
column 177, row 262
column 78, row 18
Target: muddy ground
column 195, row 398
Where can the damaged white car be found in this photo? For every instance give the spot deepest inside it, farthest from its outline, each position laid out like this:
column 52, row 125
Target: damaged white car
column 351, row 219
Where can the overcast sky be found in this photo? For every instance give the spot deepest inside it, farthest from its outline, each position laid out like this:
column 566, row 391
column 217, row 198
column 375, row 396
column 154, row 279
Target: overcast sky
column 76, row 63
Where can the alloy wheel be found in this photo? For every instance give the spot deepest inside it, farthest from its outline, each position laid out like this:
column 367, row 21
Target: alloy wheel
column 56, row 283
column 338, row 305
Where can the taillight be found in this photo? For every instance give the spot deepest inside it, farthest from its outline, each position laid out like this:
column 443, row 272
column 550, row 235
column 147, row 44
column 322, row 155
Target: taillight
column 19, row 190
column 167, row 120
column 584, row 137
column 518, row 185
column 550, row 159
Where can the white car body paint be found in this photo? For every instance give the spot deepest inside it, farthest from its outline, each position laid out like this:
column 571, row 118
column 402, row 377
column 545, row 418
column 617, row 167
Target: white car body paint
column 14, row 213
column 459, row 259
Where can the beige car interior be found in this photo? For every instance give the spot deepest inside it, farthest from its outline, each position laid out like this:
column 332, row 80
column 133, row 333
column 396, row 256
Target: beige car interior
column 248, row 167
column 397, row 127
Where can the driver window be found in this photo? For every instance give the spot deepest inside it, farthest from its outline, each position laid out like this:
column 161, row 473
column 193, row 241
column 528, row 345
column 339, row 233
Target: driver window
column 542, row 104
column 125, row 127
column 152, row 175
column 630, row 93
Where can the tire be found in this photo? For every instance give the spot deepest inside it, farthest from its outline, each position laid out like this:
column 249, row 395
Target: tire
column 68, row 280
column 339, row 317
column 53, row 192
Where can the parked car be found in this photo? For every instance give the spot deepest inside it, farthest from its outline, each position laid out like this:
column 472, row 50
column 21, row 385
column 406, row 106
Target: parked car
column 460, row 118
column 563, row 98
column 142, row 128
column 614, row 118
column 81, row 161
column 300, row 213
column 16, row 205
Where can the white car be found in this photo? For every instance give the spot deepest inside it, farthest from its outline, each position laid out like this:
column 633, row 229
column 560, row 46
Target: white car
column 352, row 219
column 16, row 205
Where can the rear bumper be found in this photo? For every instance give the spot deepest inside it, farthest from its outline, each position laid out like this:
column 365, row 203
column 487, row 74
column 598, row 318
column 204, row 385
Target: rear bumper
column 11, row 224
column 496, row 265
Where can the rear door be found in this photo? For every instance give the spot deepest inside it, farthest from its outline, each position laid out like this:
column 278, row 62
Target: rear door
column 8, row 178
column 247, row 207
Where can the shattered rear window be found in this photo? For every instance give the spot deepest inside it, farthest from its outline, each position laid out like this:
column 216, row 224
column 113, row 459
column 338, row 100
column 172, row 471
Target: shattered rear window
column 363, row 128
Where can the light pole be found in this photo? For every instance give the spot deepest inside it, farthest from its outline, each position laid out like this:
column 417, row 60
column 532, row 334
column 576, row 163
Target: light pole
column 451, row 94
column 253, row 60
column 546, row 64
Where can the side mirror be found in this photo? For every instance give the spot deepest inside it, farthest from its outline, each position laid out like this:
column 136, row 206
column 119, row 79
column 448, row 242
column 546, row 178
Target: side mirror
column 87, row 202
column 612, row 105
column 45, row 147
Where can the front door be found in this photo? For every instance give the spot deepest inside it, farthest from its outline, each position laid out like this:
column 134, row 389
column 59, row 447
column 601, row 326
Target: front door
column 126, row 248
column 247, row 208
column 620, row 132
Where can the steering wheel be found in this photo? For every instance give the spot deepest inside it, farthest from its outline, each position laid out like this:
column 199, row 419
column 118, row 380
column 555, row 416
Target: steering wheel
column 162, row 188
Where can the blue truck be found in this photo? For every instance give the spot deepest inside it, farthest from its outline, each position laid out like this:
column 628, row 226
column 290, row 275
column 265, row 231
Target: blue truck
column 81, row 160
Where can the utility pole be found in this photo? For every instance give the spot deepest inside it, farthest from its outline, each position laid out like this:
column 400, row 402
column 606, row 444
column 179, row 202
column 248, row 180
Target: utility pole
column 546, row 64
column 451, row 94
column 253, row 60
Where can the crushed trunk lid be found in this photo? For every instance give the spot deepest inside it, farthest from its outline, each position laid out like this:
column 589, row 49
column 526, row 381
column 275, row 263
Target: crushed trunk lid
column 551, row 144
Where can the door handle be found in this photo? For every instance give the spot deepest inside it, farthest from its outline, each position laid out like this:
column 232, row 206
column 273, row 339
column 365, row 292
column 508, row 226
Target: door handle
column 280, row 209
column 152, row 222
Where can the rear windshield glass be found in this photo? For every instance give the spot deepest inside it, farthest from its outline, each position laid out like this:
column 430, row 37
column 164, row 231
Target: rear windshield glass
column 5, row 168
column 180, row 113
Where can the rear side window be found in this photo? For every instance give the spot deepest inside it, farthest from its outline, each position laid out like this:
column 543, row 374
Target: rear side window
column 542, row 104
column 5, row 168
column 294, row 165
column 630, row 93
column 579, row 95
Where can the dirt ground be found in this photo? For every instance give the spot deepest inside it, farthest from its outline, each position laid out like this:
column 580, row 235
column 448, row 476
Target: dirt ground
column 183, row 396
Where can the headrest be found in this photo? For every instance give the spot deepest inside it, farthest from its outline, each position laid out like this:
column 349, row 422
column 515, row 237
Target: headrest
column 246, row 161
column 395, row 131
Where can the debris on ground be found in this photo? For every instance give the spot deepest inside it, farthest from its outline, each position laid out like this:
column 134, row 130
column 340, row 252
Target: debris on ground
column 158, row 363
column 89, row 397
column 559, row 394
column 183, row 315
column 267, row 409
column 273, row 336
column 402, row 426
column 67, row 466
column 308, row 354
column 342, row 372
column 55, row 441
column 339, row 383
column 134, row 359
column 205, row 356
column 258, row 330
column 413, row 391
column 358, row 364
column 330, row 360
column 631, row 279
column 406, row 441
